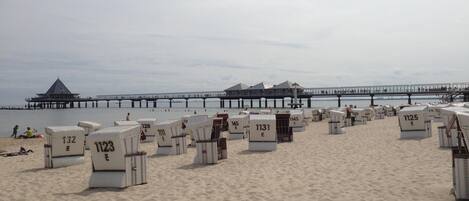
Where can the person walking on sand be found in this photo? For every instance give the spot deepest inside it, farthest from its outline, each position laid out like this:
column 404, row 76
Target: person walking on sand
column 15, row 131
column 128, row 117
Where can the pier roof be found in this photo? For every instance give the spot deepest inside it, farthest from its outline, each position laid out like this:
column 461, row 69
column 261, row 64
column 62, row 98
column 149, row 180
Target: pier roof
column 237, row 87
column 261, row 85
column 287, row 85
column 58, row 88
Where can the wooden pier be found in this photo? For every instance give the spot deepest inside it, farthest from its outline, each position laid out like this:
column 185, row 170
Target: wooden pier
column 58, row 96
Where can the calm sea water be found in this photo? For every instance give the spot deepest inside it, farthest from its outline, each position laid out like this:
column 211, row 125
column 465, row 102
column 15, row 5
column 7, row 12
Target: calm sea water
column 39, row 119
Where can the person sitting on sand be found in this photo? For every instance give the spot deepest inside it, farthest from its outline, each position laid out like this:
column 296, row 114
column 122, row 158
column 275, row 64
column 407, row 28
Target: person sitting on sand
column 15, row 131
column 128, row 117
column 28, row 134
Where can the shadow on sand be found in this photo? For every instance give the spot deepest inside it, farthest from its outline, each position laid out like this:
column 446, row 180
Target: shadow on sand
column 194, row 166
column 36, row 170
column 247, row 152
column 90, row 191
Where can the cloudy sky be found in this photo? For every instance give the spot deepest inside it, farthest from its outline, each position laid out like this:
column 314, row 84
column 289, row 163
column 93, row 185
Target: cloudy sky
column 116, row 46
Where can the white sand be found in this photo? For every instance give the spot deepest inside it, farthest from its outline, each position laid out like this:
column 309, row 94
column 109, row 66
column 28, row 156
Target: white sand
column 367, row 163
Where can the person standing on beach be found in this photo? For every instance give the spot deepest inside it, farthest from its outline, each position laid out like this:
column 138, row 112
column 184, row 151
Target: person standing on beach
column 15, row 131
column 128, row 116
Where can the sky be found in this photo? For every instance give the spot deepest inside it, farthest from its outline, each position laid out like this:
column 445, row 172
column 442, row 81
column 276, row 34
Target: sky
column 150, row 46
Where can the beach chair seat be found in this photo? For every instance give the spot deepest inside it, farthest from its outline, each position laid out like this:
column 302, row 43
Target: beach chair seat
column 224, row 117
column 65, row 146
column 284, row 131
column 117, row 161
column 263, row 133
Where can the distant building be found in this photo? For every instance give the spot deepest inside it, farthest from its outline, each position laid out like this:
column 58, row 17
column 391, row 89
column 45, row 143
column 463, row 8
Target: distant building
column 58, row 91
column 264, row 90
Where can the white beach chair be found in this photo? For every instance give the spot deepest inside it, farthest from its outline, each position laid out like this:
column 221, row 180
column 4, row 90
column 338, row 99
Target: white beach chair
column 238, row 126
column 447, row 135
column 360, row 116
column 297, row 120
column 148, row 130
column 210, row 146
column 337, row 122
column 388, row 110
column 171, row 139
column 414, row 123
column 380, row 112
column 65, row 146
column 263, row 133
column 460, row 155
column 369, row 114
column 116, row 159
column 189, row 121
column 317, row 115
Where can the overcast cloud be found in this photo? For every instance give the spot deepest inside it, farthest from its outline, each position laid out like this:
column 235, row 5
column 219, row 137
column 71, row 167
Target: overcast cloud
column 116, row 46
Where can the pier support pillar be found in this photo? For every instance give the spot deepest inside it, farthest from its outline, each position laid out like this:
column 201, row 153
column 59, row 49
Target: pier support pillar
column 309, row 102
column 221, row 103
column 260, row 103
column 92, row 104
column 229, row 103
column 154, row 104
column 301, row 104
column 79, row 104
column 170, row 103
column 372, row 99
column 266, row 103
column 466, row 97
column 133, row 104
column 140, row 103
column 187, row 103
column 338, row 101
column 283, row 102
column 96, row 104
column 146, row 103
column 239, row 103
column 86, row 104
column 72, row 104
column 275, row 103
column 409, row 100
column 107, row 103
column 242, row 103
column 203, row 102
column 251, row 103
column 291, row 102
column 120, row 103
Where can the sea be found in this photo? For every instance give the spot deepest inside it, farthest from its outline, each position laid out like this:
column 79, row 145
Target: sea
column 39, row 119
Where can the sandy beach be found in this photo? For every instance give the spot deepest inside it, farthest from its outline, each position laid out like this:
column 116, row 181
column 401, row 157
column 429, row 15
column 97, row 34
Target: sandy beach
column 367, row 163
